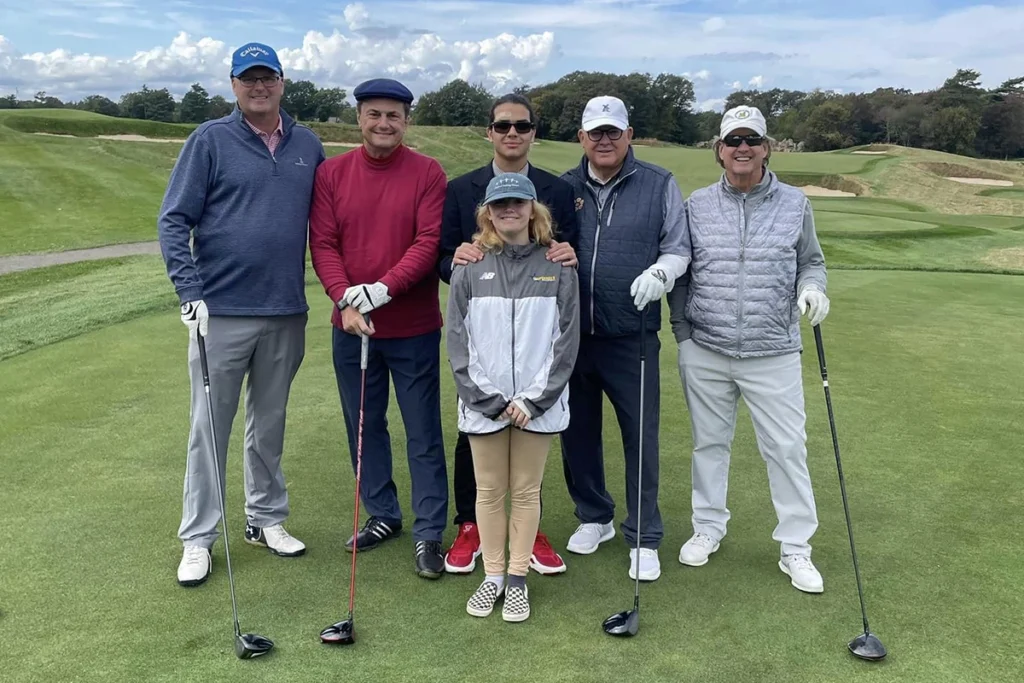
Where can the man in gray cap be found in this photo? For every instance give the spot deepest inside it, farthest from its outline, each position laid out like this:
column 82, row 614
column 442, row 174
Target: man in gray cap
column 632, row 246
column 375, row 231
column 737, row 323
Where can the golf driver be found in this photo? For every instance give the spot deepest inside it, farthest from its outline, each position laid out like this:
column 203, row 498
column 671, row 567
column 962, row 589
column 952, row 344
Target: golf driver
column 628, row 623
column 247, row 645
column 344, row 632
column 866, row 645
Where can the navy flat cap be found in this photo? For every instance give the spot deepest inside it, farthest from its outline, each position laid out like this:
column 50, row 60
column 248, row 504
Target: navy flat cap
column 382, row 87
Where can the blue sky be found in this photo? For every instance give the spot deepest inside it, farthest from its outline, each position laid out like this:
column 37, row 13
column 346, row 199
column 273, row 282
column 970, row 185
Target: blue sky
column 112, row 46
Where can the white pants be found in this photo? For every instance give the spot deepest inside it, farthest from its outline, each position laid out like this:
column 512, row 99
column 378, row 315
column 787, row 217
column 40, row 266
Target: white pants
column 772, row 388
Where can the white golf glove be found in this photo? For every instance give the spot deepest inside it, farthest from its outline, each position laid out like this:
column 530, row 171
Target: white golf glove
column 814, row 303
column 366, row 298
column 195, row 316
column 648, row 286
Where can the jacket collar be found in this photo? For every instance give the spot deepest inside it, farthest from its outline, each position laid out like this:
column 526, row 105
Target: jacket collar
column 769, row 183
column 483, row 175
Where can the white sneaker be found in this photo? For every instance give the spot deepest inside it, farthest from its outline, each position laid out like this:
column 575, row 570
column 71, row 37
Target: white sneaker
column 587, row 537
column 195, row 566
column 650, row 565
column 696, row 551
column 275, row 539
column 802, row 573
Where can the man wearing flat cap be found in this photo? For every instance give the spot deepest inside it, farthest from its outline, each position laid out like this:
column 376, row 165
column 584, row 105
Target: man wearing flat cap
column 241, row 190
column 375, row 231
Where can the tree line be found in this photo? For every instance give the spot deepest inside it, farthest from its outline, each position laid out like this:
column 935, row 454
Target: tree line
column 960, row 116
column 302, row 100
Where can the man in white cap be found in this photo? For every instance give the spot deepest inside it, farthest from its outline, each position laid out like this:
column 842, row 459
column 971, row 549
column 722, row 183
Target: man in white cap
column 737, row 323
column 632, row 246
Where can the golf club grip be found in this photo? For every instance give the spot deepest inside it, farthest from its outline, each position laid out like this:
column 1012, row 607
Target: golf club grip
column 364, row 352
column 202, row 359
column 643, row 333
column 821, row 353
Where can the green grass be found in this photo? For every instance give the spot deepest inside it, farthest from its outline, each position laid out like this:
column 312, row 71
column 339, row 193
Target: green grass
column 94, row 437
column 1005, row 192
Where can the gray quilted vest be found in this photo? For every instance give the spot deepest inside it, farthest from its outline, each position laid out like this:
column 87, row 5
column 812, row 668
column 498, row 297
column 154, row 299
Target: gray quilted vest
column 742, row 295
column 617, row 242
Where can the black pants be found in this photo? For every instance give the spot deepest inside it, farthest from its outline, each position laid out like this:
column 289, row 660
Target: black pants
column 465, row 483
column 611, row 365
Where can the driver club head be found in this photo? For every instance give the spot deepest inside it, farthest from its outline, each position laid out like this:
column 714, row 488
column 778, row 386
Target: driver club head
column 623, row 623
column 340, row 633
column 249, row 645
column 867, row 646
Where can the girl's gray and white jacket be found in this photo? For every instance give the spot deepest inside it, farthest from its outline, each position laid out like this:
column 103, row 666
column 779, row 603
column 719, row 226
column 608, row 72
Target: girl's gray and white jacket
column 513, row 333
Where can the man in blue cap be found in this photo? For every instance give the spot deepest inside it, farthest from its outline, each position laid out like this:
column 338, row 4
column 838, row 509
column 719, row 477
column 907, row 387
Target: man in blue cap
column 241, row 190
column 375, row 231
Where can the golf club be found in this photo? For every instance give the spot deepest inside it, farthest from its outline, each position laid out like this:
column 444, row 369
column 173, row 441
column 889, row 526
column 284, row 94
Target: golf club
column 866, row 645
column 628, row 623
column 344, row 632
column 247, row 645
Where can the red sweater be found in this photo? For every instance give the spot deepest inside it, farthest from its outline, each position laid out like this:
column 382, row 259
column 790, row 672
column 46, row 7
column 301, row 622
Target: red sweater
column 380, row 220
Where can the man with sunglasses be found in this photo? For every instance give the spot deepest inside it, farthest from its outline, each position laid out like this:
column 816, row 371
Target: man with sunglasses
column 511, row 132
column 241, row 190
column 737, row 324
column 632, row 247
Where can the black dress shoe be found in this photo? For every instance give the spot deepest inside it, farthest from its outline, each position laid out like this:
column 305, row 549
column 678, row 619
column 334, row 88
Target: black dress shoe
column 373, row 533
column 429, row 560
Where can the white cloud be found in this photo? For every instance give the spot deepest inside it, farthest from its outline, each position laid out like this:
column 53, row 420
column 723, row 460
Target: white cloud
column 736, row 85
column 713, row 24
column 756, row 82
column 356, row 16
column 702, row 75
column 710, row 104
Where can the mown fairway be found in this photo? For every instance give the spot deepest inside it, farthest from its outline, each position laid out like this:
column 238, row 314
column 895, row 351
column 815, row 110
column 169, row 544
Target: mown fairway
column 925, row 375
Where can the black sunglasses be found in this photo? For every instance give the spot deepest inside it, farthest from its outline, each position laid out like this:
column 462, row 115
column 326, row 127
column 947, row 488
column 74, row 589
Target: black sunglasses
column 597, row 134
column 736, row 140
column 502, row 127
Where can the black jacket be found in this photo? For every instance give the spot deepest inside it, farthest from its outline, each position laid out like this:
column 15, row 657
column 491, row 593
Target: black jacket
column 465, row 193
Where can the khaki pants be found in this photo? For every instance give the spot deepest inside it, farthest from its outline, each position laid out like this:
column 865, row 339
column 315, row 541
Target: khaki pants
column 510, row 462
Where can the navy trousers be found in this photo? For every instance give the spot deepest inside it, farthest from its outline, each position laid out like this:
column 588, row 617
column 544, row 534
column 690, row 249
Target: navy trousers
column 414, row 365
column 611, row 365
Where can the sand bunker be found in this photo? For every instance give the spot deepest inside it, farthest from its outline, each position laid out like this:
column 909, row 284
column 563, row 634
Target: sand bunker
column 138, row 138
column 341, row 144
column 861, row 151
column 1009, row 257
column 981, row 181
column 815, row 191
column 57, row 135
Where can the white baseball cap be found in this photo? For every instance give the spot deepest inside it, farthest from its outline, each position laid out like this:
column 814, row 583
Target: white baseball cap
column 605, row 111
column 743, row 117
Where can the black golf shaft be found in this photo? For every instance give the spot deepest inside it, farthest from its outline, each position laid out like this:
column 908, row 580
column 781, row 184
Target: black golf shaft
column 364, row 353
column 839, row 467
column 640, row 453
column 216, row 464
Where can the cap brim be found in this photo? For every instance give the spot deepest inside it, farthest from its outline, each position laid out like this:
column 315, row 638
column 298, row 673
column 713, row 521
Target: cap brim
column 605, row 121
column 241, row 70
column 743, row 124
column 510, row 195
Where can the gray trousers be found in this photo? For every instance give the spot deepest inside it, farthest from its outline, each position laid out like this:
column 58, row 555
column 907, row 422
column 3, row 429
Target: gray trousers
column 772, row 388
column 270, row 350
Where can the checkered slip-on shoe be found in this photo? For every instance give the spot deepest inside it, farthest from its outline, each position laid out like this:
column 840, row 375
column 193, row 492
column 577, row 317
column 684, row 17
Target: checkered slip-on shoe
column 481, row 603
column 517, row 604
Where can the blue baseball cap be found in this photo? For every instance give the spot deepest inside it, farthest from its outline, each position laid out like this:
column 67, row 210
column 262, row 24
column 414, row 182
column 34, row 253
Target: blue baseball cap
column 509, row 186
column 386, row 88
column 254, row 54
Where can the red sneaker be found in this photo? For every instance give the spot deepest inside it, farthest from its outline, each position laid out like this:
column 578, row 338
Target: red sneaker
column 544, row 559
column 461, row 557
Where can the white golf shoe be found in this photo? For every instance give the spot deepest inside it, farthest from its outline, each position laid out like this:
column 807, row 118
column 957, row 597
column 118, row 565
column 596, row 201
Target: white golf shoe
column 588, row 537
column 650, row 565
column 195, row 566
column 275, row 539
column 696, row 551
column 802, row 573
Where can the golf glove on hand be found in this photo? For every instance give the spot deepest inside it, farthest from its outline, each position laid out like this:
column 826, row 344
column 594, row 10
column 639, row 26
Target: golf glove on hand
column 366, row 298
column 648, row 286
column 814, row 303
column 195, row 316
